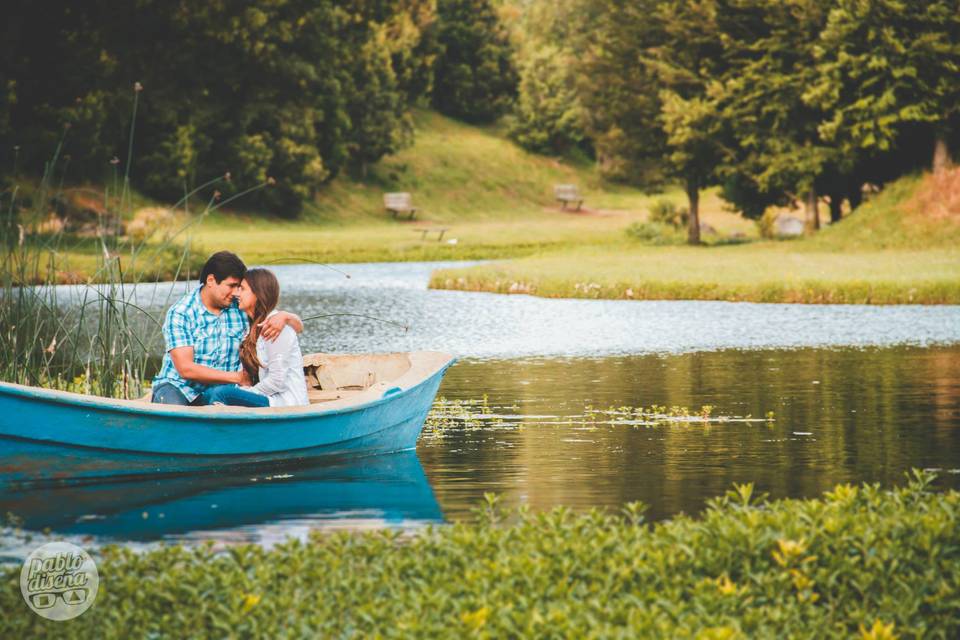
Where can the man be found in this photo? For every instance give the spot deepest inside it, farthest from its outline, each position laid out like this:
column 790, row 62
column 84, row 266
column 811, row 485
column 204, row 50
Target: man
column 203, row 332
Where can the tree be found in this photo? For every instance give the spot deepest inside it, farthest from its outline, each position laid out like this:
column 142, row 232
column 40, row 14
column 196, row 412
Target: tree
column 886, row 66
column 548, row 116
column 474, row 77
column 777, row 152
column 686, row 64
column 620, row 95
column 293, row 90
column 647, row 86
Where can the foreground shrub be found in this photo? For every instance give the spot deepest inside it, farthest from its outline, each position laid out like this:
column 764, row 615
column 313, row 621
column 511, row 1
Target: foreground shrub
column 666, row 212
column 860, row 560
column 654, row 233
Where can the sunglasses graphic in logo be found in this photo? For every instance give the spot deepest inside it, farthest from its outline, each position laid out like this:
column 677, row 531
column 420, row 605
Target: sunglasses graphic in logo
column 59, row 581
column 70, row 597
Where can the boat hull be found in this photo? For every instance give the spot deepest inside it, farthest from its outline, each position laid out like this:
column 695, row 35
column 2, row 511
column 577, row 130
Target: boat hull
column 383, row 490
column 46, row 439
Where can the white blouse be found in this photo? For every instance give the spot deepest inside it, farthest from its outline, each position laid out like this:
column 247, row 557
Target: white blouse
column 281, row 370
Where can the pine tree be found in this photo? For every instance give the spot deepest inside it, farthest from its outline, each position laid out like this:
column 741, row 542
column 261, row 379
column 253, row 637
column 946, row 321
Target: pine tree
column 778, row 153
column 474, row 76
column 885, row 67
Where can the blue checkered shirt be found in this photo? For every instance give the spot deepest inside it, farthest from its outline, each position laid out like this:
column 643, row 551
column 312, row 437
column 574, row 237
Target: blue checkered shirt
column 215, row 340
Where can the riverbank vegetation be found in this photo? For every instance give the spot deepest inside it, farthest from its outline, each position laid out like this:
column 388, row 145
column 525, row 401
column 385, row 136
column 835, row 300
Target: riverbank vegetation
column 93, row 338
column 859, row 562
column 899, row 248
column 755, row 274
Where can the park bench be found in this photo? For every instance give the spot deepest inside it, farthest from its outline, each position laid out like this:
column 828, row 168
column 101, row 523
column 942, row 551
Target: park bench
column 438, row 230
column 397, row 203
column 568, row 194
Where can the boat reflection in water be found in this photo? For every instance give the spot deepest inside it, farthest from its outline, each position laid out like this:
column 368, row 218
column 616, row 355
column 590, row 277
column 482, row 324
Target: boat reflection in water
column 265, row 507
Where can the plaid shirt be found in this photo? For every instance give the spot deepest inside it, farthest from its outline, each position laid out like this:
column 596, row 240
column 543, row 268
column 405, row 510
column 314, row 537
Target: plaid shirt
column 215, row 339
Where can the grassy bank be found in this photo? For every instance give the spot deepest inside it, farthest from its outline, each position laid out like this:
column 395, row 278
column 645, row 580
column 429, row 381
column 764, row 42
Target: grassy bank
column 763, row 272
column 897, row 248
column 859, row 562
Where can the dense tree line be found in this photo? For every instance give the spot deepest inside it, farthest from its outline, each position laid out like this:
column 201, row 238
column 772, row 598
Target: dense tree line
column 295, row 91
column 774, row 101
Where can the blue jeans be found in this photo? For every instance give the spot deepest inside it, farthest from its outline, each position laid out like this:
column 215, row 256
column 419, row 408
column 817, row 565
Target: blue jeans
column 233, row 395
column 166, row 393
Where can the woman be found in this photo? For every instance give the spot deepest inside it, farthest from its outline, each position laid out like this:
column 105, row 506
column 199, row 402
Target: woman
column 275, row 367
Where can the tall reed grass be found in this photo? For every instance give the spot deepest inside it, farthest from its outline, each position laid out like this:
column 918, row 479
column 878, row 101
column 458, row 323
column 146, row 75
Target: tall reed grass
column 91, row 337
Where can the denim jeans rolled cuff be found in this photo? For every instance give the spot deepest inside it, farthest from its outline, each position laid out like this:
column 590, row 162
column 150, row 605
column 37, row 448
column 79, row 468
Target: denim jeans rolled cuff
column 231, row 394
column 166, row 393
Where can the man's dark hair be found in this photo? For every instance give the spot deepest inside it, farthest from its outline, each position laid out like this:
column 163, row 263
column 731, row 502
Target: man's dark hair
column 223, row 264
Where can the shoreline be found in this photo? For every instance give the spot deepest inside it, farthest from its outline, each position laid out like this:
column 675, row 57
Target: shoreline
column 882, row 277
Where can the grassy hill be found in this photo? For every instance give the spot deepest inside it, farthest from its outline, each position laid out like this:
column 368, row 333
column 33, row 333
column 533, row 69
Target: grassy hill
column 495, row 199
column 463, row 173
column 915, row 212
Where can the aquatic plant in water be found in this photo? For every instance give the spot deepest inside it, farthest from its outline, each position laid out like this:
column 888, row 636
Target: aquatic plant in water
column 471, row 415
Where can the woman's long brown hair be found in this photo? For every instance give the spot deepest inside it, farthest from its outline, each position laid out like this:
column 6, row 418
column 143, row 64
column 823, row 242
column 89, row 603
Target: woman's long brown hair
column 265, row 287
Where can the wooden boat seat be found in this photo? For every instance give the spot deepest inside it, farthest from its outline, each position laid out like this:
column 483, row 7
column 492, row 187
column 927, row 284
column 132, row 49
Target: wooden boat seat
column 331, row 377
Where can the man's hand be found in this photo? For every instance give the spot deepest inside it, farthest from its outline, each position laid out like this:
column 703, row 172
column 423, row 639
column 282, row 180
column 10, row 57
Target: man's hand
column 245, row 380
column 272, row 326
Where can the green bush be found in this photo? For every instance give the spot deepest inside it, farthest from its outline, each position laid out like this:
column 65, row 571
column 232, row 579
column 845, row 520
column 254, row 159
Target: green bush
column 766, row 224
column 666, row 212
column 856, row 562
column 654, row 233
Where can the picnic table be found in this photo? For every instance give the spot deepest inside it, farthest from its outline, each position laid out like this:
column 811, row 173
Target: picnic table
column 438, row 230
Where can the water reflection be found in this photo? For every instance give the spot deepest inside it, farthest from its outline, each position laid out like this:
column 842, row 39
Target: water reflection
column 372, row 492
column 840, row 415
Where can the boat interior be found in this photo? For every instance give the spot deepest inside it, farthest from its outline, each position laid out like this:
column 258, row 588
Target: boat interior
column 338, row 381
column 337, row 377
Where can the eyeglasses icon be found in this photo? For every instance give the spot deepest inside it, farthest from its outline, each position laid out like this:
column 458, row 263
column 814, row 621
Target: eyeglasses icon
column 47, row 600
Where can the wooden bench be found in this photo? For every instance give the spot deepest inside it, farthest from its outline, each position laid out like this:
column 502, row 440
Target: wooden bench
column 397, row 203
column 439, row 231
column 568, row 194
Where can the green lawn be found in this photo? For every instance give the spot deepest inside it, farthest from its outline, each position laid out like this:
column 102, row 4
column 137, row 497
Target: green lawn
column 762, row 272
column 887, row 252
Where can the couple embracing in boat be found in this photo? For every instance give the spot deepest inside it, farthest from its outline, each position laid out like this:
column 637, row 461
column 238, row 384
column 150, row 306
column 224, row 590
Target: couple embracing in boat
column 226, row 342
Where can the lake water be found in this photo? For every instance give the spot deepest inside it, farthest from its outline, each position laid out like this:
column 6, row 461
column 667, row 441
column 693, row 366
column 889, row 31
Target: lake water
column 545, row 388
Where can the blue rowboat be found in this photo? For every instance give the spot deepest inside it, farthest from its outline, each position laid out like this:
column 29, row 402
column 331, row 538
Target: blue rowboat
column 360, row 404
